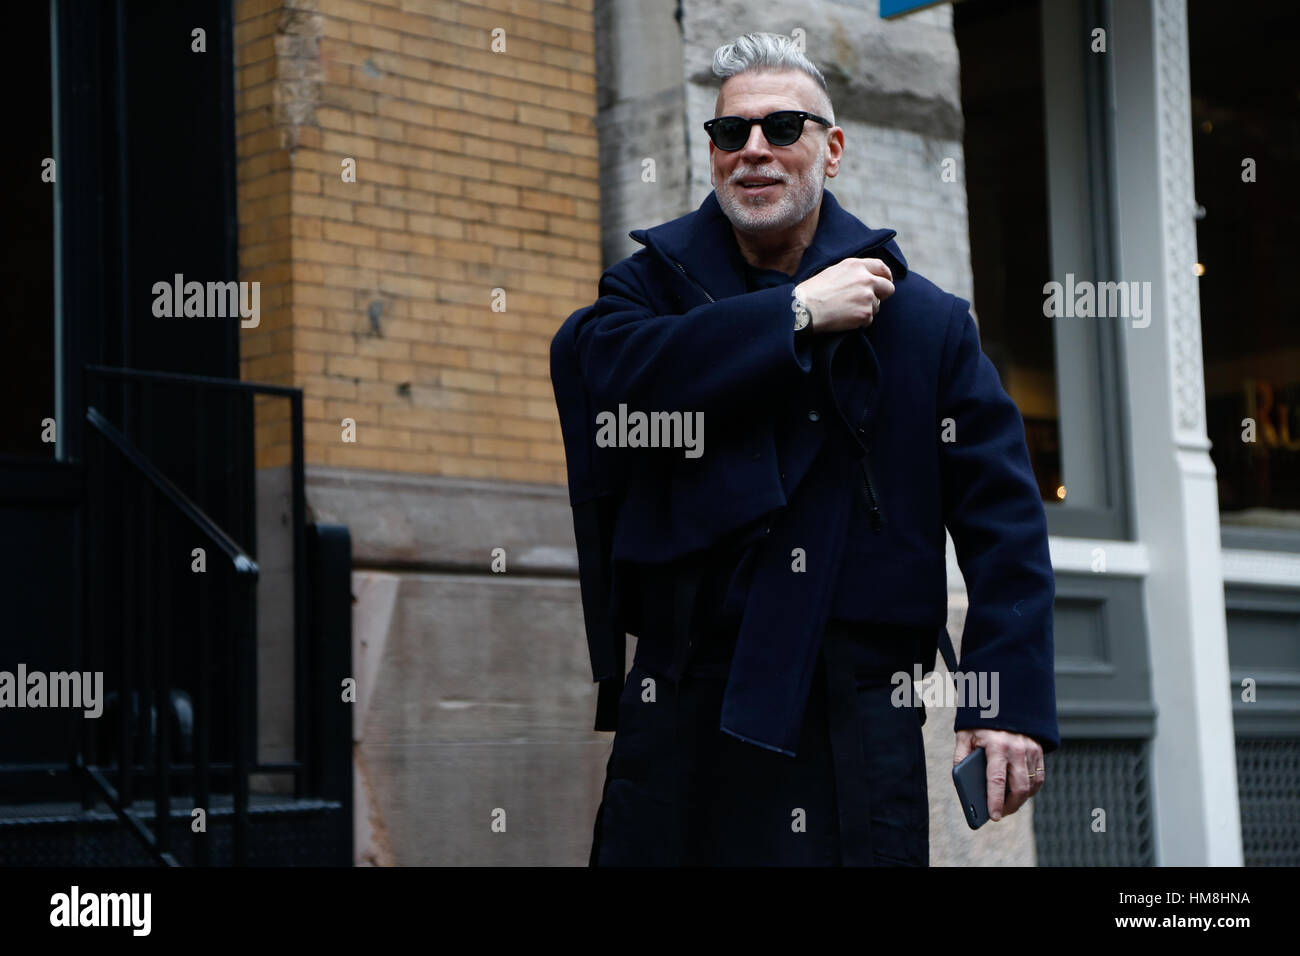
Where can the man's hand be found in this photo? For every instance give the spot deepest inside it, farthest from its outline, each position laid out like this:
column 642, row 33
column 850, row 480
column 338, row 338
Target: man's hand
column 1009, row 755
column 847, row 295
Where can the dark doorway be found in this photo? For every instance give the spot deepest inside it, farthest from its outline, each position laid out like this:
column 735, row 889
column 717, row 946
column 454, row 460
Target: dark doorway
column 27, row 331
column 140, row 123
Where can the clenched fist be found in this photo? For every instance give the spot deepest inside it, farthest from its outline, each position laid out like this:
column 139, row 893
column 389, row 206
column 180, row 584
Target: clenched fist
column 847, row 295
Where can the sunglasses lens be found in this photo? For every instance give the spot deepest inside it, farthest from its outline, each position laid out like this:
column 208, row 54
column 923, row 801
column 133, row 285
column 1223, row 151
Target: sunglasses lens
column 782, row 129
column 730, row 133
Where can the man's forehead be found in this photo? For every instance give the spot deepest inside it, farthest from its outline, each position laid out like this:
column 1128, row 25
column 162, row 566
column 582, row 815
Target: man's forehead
column 760, row 92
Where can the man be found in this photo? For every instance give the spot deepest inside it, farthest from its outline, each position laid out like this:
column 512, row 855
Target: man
column 778, row 581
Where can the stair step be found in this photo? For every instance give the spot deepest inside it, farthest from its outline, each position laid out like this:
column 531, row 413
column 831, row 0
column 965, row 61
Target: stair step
column 221, row 806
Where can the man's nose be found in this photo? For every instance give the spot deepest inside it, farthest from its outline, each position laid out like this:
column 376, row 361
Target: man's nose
column 757, row 145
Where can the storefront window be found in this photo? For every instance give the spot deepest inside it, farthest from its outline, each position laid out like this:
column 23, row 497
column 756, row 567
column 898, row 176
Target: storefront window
column 1039, row 191
column 1246, row 149
column 1006, row 196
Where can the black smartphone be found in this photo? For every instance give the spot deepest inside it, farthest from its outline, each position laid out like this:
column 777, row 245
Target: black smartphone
column 970, row 776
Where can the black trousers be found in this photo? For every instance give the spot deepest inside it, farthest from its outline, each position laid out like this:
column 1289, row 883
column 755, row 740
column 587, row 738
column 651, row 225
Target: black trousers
column 680, row 792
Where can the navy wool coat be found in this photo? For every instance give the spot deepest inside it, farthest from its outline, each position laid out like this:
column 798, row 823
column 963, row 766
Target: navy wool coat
column 835, row 442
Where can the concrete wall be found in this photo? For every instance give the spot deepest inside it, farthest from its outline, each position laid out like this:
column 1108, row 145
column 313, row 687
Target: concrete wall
column 475, row 692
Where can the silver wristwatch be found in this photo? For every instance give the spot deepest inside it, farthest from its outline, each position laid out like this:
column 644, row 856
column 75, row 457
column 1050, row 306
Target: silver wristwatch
column 802, row 317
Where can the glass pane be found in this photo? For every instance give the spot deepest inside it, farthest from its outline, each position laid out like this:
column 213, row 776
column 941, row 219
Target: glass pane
column 1246, row 126
column 1006, row 192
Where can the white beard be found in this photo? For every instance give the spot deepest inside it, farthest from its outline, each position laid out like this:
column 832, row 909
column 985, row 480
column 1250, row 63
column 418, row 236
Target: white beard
column 799, row 197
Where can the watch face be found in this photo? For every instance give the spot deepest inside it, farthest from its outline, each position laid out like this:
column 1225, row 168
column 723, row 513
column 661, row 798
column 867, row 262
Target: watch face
column 801, row 316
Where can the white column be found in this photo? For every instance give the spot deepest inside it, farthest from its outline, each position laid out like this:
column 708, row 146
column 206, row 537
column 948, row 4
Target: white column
column 1176, row 502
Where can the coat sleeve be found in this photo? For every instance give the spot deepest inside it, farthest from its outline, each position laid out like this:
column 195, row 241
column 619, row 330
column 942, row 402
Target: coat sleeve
column 730, row 357
column 992, row 508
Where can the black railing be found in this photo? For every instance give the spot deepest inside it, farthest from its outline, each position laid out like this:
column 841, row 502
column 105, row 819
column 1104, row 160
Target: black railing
column 171, row 604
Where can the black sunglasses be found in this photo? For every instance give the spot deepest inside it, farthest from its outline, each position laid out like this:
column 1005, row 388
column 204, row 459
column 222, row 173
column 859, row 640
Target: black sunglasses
column 781, row 128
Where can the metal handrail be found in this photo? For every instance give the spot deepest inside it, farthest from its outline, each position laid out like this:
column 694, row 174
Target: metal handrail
column 180, row 378
column 243, row 647
column 241, row 562
column 132, row 822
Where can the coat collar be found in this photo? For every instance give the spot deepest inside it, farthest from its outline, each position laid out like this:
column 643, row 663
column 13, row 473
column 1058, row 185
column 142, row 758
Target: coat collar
column 703, row 246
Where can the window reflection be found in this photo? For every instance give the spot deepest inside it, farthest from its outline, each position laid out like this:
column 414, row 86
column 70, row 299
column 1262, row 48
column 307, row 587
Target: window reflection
column 1246, row 126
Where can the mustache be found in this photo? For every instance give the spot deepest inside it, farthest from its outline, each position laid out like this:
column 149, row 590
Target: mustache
column 755, row 174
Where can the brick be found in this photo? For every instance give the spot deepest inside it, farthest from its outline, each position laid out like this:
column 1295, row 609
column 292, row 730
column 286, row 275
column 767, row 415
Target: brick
column 496, row 362
column 323, row 208
column 440, row 355
column 400, row 372
column 453, row 444
column 435, row 182
column 467, row 380
column 382, row 348
column 506, row 241
column 329, row 343
column 351, row 367
column 499, row 447
column 408, row 242
column 325, row 251
column 347, row 144
column 349, row 233
column 518, row 175
column 545, row 202
column 377, row 127
column 381, row 218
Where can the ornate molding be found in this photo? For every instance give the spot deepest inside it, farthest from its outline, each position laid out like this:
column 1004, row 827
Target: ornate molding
column 1182, row 297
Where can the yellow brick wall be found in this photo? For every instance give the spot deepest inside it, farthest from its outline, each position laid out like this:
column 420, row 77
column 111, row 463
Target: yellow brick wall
column 263, row 196
column 475, row 170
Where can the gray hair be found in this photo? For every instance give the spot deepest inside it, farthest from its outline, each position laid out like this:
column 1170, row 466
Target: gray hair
column 767, row 51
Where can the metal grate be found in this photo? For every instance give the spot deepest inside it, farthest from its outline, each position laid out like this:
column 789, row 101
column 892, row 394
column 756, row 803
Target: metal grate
column 301, row 833
column 1084, row 776
column 1268, row 787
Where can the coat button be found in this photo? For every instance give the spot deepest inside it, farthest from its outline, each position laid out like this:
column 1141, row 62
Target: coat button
column 814, row 415
column 767, row 530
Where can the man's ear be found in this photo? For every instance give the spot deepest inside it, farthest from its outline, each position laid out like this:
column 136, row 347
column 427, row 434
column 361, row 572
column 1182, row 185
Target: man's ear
column 834, row 150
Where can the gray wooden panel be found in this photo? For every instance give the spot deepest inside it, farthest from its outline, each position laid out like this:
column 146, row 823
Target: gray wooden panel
column 1103, row 672
column 1264, row 645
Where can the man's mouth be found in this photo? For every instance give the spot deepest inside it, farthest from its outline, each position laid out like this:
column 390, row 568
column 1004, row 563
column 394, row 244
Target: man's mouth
column 757, row 183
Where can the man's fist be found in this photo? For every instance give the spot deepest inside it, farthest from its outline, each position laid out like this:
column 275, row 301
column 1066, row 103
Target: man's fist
column 1015, row 767
column 847, row 295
